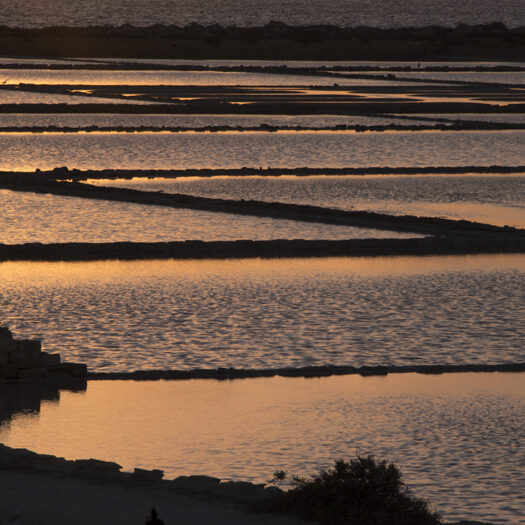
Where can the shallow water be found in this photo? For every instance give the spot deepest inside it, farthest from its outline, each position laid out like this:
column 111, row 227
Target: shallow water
column 492, row 199
column 497, row 199
column 29, row 217
column 194, row 121
column 27, row 151
column 498, row 77
column 505, row 118
column 270, row 313
column 11, row 96
column 456, row 437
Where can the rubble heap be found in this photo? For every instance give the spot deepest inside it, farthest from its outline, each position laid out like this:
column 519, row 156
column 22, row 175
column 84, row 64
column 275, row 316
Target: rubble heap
column 24, row 359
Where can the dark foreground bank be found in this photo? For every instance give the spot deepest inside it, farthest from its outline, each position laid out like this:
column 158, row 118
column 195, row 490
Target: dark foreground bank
column 274, row 41
column 91, row 491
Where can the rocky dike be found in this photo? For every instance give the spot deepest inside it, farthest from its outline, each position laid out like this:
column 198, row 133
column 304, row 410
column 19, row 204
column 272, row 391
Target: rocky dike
column 273, row 41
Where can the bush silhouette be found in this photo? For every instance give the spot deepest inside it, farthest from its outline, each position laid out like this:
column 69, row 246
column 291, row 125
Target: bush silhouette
column 363, row 491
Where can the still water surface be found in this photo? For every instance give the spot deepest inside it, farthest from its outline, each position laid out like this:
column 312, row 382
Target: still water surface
column 254, row 313
column 456, row 437
column 493, row 199
column 28, row 151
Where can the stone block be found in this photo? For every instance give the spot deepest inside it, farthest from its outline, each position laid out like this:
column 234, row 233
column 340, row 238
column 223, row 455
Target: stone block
column 48, row 360
column 5, row 333
column 14, row 357
column 69, row 369
column 32, row 373
column 242, row 490
column 8, row 345
column 29, row 361
column 148, row 475
column 30, row 346
column 10, row 371
column 61, row 370
column 79, row 370
column 195, row 484
column 96, row 466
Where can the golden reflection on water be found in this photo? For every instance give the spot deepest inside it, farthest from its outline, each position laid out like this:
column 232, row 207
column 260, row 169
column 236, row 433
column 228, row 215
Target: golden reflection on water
column 48, row 272
column 177, row 424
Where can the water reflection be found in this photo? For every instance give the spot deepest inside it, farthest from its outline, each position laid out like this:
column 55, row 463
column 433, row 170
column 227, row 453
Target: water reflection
column 29, row 217
column 494, row 199
column 254, row 313
column 18, row 399
column 455, row 436
column 26, row 151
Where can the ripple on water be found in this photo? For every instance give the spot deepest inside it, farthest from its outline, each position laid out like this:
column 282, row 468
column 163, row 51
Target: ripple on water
column 29, row 217
column 456, row 437
column 271, row 313
column 26, row 151
column 493, row 199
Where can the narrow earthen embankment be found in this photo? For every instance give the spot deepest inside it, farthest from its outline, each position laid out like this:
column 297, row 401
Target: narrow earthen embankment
column 63, row 173
column 272, row 41
column 206, row 107
column 107, row 472
column 264, row 128
column 439, row 236
column 45, row 184
column 263, row 249
column 308, row 371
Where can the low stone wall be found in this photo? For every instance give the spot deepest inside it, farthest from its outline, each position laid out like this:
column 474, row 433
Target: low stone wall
column 97, row 471
column 23, row 359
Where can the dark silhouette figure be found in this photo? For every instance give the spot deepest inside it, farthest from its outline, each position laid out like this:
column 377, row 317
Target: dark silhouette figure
column 153, row 518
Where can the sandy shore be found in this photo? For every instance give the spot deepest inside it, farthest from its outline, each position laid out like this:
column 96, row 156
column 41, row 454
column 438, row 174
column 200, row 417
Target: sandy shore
column 41, row 499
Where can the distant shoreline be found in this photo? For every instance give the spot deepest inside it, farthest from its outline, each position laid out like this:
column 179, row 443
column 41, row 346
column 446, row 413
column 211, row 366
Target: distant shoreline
column 273, row 41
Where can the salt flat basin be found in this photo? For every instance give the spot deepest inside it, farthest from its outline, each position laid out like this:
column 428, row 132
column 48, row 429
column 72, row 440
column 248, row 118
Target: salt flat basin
column 456, row 437
column 11, row 96
column 265, row 313
column 29, row 217
column 498, row 77
column 28, row 151
column 487, row 198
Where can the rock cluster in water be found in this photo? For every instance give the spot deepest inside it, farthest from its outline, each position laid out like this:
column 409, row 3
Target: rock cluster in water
column 24, row 359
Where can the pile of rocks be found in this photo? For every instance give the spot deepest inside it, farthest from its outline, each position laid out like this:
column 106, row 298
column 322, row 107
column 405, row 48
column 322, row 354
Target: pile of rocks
column 24, row 359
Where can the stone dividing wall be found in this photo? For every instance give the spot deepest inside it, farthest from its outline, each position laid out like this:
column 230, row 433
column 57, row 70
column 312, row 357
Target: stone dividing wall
column 24, row 359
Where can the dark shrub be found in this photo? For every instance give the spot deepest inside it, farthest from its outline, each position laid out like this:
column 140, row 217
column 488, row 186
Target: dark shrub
column 364, row 491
